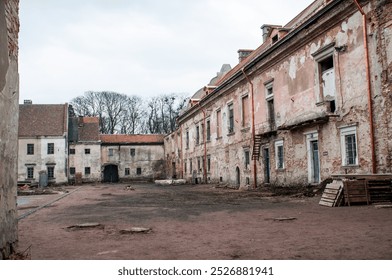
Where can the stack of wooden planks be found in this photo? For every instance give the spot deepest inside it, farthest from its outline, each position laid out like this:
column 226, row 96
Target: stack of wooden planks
column 333, row 194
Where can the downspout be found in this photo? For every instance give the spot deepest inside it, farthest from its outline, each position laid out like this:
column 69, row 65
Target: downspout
column 369, row 87
column 253, row 127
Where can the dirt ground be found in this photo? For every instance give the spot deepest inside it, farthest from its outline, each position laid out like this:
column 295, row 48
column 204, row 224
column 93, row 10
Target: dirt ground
column 199, row 222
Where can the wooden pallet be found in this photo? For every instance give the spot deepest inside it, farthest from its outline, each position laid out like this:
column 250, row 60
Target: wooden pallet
column 380, row 190
column 332, row 195
column 356, row 191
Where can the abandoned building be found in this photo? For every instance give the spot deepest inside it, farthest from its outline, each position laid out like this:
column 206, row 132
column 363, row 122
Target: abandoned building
column 43, row 143
column 132, row 157
column 9, row 99
column 312, row 100
column 84, row 149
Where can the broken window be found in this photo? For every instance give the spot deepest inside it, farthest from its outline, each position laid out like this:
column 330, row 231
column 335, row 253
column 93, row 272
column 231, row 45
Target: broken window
column 348, row 137
column 279, row 154
column 269, row 91
column 197, row 135
column 87, row 151
column 50, row 170
column 132, row 152
column 72, row 170
column 50, row 148
column 208, row 130
column 187, row 139
column 127, row 171
column 247, row 158
column 325, row 87
column 87, row 171
column 231, row 118
column 30, row 172
column 245, row 111
column 30, row 149
column 218, row 124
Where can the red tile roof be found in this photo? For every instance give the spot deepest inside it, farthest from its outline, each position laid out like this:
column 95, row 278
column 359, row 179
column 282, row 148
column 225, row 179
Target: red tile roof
column 42, row 120
column 132, row 138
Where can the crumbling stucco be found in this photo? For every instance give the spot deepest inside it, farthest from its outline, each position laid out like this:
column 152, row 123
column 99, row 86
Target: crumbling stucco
column 9, row 97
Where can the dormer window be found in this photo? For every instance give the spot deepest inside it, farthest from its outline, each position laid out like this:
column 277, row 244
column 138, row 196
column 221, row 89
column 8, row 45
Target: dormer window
column 275, row 39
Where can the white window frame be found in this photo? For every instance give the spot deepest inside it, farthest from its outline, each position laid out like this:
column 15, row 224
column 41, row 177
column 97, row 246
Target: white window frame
column 344, row 132
column 279, row 143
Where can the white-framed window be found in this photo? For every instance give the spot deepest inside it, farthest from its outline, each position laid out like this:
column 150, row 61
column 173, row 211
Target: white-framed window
column 111, row 152
column 279, row 154
column 349, row 147
column 269, row 98
column 230, row 109
column 30, row 172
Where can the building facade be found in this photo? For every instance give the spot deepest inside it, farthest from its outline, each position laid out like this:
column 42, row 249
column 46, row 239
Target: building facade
column 311, row 101
column 84, row 149
column 9, row 97
column 132, row 157
column 43, row 143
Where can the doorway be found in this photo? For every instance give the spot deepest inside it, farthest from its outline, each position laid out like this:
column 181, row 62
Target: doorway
column 110, row 174
column 315, row 161
column 267, row 172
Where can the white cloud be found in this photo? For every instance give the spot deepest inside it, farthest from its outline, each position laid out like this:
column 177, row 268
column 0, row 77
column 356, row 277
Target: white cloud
column 136, row 47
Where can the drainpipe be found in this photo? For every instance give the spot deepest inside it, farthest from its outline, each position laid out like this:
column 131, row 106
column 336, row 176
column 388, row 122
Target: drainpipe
column 253, row 127
column 369, row 86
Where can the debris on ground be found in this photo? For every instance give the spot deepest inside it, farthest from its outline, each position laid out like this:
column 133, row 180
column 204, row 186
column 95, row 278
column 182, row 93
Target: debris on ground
column 129, row 188
column 383, row 206
column 86, row 226
column 170, row 182
column 282, row 219
column 133, row 230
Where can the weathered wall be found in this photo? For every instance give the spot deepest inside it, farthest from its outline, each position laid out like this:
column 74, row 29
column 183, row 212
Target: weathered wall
column 150, row 158
column 9, row 97
column 80, row 160
column 40, row 159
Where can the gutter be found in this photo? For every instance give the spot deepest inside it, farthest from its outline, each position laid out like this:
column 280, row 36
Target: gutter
column 253, row 127
column 369, row 87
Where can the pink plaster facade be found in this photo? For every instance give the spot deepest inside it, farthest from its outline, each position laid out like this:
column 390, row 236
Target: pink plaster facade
column 308, row 83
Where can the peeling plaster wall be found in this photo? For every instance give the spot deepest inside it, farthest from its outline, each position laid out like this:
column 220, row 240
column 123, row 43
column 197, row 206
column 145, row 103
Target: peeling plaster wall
column 40, row 160
column 150, row 158
column 80, row 160
column 294, row 72
column 9, row 97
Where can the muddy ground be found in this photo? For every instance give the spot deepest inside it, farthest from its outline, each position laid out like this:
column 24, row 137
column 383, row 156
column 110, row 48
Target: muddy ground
column 199, row 222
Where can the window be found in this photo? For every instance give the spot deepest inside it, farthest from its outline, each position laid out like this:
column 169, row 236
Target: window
column 208, row 163
column 30, row 172
column 87, row 171
column 197, row 135
column 185, row 166
column 50, row 172
column 199, row 164
column 127, row 171
column 279, row 154
column 202, row 133
column 325, row 80
column 247, row 158
column 231, row 118
column 71, row 151
column 218, row 124
column 132, row 152
column 72, row 170
column 30, row 149
column 187, row 139
column 245, row 111
column 348, row 136
column 50, row 148
column 87, row 151
column 269, row 92
column 275, row 39
column 110, row 152
column 208, row 130
column 190, row 166
column 138, row 171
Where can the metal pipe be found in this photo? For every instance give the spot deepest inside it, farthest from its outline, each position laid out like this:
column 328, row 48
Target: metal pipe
column 253, row 128
column 369, row 87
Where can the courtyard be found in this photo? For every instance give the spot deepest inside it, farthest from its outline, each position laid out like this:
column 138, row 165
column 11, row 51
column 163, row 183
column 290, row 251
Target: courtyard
column 196, row 222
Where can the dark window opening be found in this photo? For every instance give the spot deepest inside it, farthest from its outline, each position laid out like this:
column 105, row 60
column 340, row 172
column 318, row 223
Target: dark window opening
column 50, row 148
column 87, row 171
column 127, row 171
column 72, row 170
column 332, row 106
column 271, row 113
column 87, row 151
column 138, row 171
column 30, row 149
column 208, row 130
column 71, row 151
column 275, row 39
column 50, row 172
column 30, row 172
column 133, row 152
column 231, row 118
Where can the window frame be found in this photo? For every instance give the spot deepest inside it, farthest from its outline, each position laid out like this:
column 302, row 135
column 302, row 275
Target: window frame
column 127, row 171
column 132, row 152
column 50, row 172
column 230, row 117
column 87, row 151
column 344, row 133
column 72, row 170
column 50, row 148
column 279, row 154
column 87, row 170
column 30, row 172
column 30, row 149
column 72, row 151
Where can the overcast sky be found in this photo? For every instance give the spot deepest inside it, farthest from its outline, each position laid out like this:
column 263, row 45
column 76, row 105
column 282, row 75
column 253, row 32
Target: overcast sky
column 136, row 47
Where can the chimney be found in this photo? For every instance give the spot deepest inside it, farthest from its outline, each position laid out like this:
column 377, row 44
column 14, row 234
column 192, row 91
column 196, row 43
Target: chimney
column 242, row 54
column 27, row 102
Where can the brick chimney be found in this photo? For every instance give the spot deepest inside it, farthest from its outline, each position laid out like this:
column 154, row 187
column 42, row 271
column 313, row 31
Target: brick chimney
column 242, row 54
